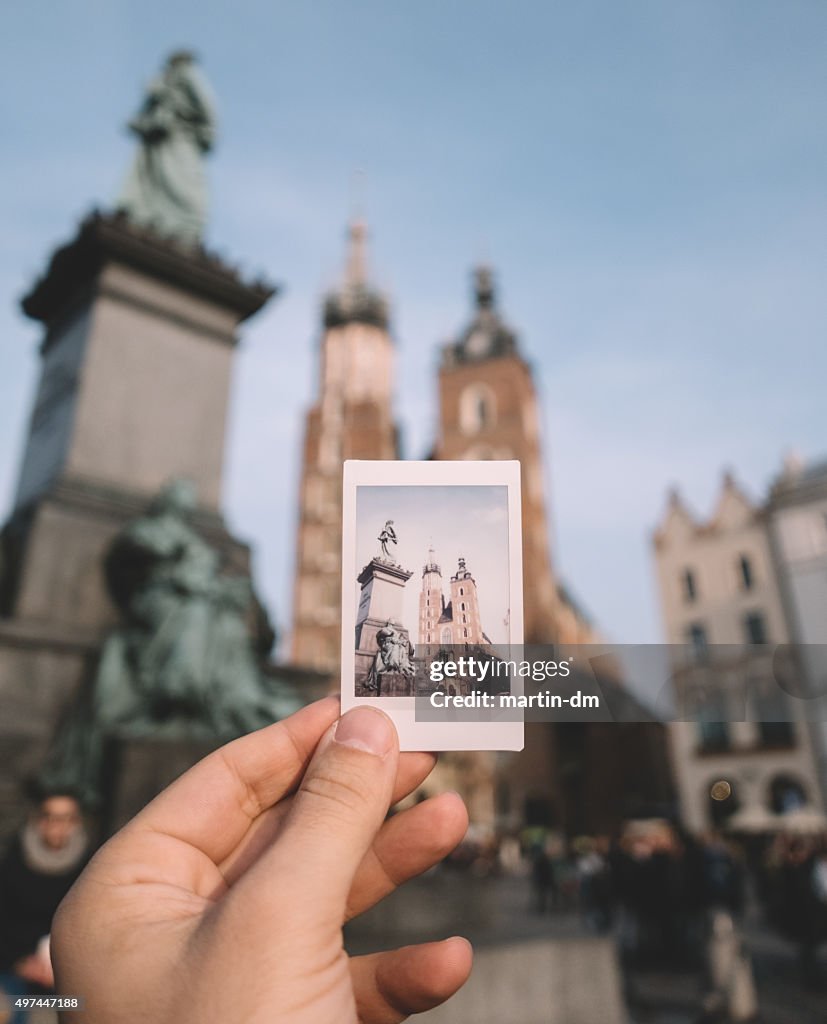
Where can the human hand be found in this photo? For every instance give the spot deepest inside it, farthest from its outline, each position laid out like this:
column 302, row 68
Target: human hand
column 224, row 899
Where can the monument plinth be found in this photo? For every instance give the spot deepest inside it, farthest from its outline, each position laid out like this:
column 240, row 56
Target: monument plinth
column 381, row 604
column 136, row 361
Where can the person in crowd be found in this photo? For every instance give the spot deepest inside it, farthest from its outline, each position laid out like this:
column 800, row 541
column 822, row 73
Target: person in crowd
column 224, row 898
column 36, row 872
column 541, row 876
column 722, row 875
column 595, row 881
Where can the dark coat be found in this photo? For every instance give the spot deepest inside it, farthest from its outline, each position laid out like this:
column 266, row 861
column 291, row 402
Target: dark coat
column 28, row 900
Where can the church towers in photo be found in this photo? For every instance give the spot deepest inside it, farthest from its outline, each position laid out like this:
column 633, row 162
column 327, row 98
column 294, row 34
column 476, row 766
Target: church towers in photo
column 351, row 418
column 456, row 621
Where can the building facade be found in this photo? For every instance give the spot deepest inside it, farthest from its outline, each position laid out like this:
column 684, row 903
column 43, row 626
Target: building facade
column 742, row 745
column 351, row 418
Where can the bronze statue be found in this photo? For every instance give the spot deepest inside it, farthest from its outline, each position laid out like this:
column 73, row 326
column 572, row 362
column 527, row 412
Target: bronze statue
column 394, row 657
column 182, row 664
column 166, row 188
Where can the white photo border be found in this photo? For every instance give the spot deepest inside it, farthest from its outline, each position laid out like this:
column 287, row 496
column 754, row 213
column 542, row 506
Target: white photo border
column 415, row 735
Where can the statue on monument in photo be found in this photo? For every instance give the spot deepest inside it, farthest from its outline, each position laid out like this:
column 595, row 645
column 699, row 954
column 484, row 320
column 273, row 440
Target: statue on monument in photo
column 386, row 537
column 394, row 657
column 166, row 188
column 182, row 664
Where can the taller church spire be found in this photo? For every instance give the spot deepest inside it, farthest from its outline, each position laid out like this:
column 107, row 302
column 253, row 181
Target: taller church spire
column 356, row 300
column 351, row 418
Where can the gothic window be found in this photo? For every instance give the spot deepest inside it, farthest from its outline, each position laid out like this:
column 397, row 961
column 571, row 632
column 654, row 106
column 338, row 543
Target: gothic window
column 446, row 635
column 461, row 592
column 713, row 721
column 462, row 606
column 786, row 794
column 696, row 637
column 465, row 632
column 690, row 589
column 755, row 629
column 477, row 409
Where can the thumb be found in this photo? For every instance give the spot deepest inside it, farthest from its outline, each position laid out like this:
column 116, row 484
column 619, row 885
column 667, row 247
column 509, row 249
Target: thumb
column 338, row 809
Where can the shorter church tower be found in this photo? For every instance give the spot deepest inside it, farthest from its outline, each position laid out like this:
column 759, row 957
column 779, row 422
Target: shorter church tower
column 465, row 609
column 488, row 409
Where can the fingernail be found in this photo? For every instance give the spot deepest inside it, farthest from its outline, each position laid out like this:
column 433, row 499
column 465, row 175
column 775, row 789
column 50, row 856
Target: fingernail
column 365, row 729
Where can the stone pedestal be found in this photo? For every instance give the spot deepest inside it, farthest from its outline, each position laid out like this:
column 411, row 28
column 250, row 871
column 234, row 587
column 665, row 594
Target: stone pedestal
column 381, row 601
column 136, row 357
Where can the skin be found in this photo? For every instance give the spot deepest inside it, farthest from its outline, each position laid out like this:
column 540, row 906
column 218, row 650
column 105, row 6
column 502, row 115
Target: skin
column 224, row 899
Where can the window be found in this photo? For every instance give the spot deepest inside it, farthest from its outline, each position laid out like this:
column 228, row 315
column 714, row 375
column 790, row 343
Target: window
column 477, row 408
column 446, row 635
column 462, row 606
column 465, row 632
column 771, row 709
column 786, row 794
column 745, row 572
column 754, row 628
column 461, row 590
column 713, row 727
column 690, row 590
column 696, row 638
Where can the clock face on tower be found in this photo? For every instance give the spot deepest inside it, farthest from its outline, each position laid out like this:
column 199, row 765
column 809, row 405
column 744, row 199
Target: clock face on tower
column 477, row 344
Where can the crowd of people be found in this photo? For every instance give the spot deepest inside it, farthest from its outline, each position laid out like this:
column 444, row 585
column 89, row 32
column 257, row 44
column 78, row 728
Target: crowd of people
column 659, row 888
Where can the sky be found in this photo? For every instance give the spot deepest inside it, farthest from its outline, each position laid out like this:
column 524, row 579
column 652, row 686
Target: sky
column 647, row 178
column 469, row 522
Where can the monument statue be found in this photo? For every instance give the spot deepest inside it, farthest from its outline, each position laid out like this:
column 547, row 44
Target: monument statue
column 386, row 537
column 182, row 664
column 394, row 657
column 166, row 188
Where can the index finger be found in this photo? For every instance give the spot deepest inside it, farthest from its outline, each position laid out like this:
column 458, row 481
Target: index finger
column 212, row 805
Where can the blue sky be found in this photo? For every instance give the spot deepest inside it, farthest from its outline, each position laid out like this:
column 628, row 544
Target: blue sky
column 648, row 179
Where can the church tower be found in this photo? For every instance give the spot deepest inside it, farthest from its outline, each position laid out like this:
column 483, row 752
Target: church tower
column 351, row 418
column 488, row 410
column 431, row 601
column 465, row 609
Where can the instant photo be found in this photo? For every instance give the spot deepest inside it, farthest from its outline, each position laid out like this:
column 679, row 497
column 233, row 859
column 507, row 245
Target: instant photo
column 431, row 562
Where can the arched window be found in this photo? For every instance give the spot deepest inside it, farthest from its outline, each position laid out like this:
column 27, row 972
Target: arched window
column 446, row 635
column 786, row 794
column 477, row 408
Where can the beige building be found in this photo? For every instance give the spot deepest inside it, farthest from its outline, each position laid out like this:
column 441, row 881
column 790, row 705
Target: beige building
column 351, row 418
column 743, row 745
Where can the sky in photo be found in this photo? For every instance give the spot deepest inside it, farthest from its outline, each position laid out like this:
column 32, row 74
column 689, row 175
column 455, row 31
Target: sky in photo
column 469, row 522
column 647, row 178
